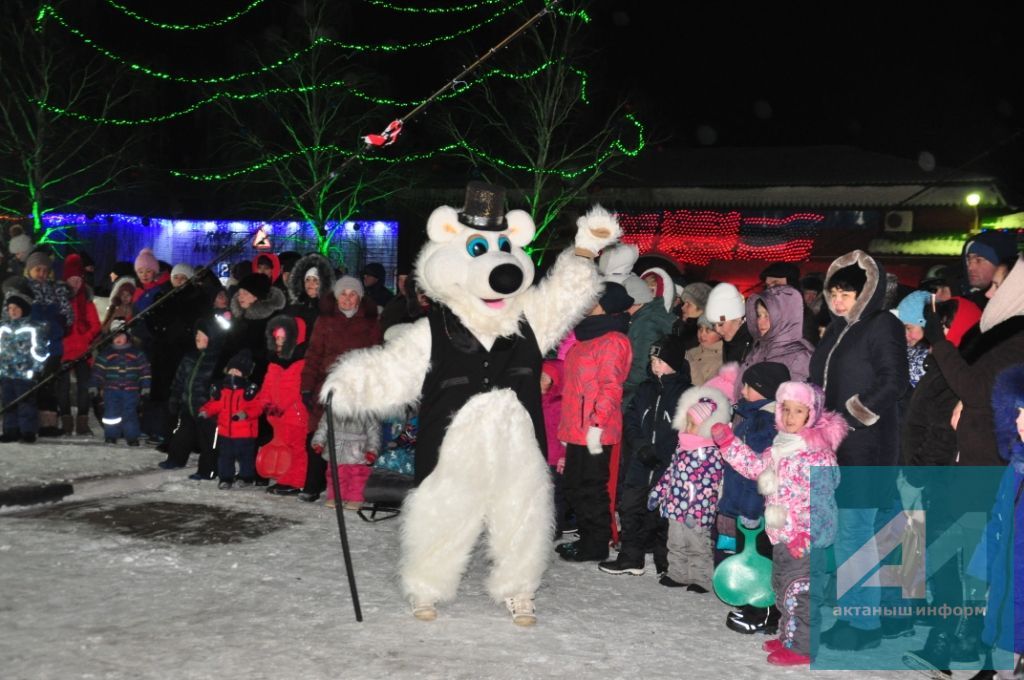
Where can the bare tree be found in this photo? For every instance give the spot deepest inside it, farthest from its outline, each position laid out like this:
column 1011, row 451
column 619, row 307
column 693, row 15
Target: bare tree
column 307, row 120
column 51, row 161
column 539, row 136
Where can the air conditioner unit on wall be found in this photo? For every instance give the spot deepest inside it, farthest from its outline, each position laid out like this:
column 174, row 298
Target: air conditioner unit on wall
column 899, row 221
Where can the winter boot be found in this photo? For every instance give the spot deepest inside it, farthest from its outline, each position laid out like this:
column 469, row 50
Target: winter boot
column 48, row 424
column 82, row 425
column 749, row 620
column 773, row 645
column 787, row 657
column 845, row 637
column 522, row 610
column 67, row 425
column 620, row 565
column 936, row 655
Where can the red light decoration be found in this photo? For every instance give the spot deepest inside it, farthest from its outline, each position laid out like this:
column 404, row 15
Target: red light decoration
column 699, row 236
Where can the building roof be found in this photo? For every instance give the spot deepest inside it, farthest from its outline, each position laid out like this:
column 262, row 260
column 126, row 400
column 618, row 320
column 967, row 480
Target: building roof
column 776, row 177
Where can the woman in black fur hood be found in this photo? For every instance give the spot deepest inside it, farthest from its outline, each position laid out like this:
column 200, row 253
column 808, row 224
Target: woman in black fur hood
column 309, row 290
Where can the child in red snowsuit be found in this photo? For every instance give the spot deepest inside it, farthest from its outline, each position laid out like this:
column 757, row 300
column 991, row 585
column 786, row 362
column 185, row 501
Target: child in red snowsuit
column 234, row 406
column 281, row 398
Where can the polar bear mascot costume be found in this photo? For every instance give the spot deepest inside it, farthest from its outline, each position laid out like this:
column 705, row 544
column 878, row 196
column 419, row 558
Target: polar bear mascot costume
column 474, row 366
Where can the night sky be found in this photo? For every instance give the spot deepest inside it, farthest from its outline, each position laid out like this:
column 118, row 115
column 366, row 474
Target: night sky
column 884, row 79
column 889, row 79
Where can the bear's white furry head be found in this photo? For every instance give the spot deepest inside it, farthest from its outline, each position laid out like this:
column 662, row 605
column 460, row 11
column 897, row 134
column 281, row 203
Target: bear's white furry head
column 478, row 274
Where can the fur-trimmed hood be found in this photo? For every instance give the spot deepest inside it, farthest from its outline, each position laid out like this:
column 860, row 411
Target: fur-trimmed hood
column 1008, row 300
column 785, row 307
column 261, row 309
column 872, row 297
column 827, row 432
column 275, row 272
column 295, row 335
column 297, row 279
column 1007, row 399
column 667, row 288
column 722, row 414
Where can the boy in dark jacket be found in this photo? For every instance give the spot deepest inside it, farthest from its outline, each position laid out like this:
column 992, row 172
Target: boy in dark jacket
column 23, row 354
column 740, row 500
column 189, row 391
column 122, row 372
column 233, row 404
column 647, row 427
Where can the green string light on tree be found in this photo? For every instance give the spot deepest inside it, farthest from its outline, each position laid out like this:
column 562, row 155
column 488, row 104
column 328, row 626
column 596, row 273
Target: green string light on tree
column 433, row 10
column 334, row 150
column 49, row 10
column 186, row 27
column 306, row 89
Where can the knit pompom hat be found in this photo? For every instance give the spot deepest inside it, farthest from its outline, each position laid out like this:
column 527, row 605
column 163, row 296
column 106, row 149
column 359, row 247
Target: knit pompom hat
column 146, row 259
column 19, row 245
column 73, row 266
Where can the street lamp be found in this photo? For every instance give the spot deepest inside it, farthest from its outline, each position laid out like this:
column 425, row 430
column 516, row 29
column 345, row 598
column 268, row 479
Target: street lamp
column 973, row 199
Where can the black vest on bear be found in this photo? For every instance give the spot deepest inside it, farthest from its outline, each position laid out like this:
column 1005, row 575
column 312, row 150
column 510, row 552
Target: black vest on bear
column 461, row 368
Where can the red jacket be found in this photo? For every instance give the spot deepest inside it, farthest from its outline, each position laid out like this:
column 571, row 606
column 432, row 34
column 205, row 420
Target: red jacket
column 230, row 401
column 84, row 328
column 592, row 394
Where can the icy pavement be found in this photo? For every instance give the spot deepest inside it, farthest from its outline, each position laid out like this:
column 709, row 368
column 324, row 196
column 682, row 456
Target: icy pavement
column 85, row 596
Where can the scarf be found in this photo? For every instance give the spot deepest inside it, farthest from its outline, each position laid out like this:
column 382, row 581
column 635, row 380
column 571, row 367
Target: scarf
column 80, row 306
column 595, row 326
column 690, row 442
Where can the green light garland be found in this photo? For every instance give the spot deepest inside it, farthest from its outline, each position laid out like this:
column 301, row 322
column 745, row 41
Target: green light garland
column 186, row 27
column 49, row 10
column 582, row 14
column 245, row 96
column 333, row 149
column 433, row 10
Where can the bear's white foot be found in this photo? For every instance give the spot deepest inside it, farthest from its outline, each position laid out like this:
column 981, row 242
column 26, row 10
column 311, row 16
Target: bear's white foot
column 424, row 611
column 522, row 610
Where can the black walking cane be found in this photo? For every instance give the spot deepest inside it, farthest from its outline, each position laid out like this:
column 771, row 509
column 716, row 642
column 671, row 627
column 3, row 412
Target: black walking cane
column 338, row 510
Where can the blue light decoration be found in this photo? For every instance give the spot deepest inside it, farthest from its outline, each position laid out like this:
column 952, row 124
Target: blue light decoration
column 113, row 237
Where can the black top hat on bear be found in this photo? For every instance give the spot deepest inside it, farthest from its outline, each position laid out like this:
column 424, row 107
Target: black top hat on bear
column 484, row 208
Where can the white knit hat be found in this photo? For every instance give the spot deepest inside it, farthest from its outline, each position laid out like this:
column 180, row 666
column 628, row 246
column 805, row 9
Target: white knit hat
column 724, row 303
column 182, row 268
column 312, row 272
column 349, row 283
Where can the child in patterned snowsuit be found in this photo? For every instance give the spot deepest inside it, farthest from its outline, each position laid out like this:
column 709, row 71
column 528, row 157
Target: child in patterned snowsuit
column 122, row 372
column 687, row 493
column 808, row 436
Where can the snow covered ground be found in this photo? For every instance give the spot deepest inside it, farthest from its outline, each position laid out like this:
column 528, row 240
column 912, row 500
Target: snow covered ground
column 89, row 592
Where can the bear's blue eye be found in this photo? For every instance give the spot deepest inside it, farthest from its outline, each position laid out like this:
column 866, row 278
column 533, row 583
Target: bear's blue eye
column 477, row 246
column 504, row 245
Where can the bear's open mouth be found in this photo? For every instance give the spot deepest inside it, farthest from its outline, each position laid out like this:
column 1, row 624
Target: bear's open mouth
column 495, row 304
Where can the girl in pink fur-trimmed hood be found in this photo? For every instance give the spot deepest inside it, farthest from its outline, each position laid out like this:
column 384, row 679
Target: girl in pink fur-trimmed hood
column 808, row 437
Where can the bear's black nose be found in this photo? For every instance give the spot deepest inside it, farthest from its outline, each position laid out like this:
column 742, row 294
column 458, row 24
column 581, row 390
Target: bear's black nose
column 505, row 279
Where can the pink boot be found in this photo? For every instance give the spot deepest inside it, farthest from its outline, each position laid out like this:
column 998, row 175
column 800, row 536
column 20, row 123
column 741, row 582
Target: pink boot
column 773, row 645
column 787, row 657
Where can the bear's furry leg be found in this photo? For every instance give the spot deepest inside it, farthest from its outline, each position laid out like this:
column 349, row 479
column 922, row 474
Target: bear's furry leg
column 520, row 521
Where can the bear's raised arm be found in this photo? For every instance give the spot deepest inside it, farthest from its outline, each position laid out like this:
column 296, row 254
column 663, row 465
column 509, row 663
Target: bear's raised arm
column 573, row 285
column 381, row 380
column 566, row 294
